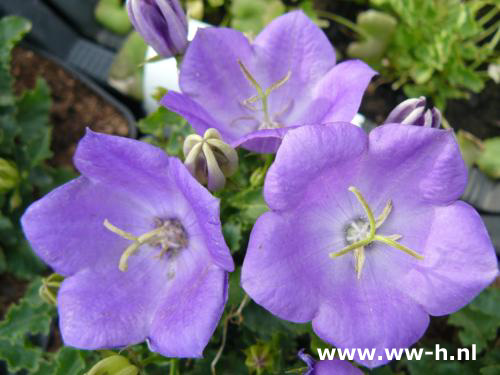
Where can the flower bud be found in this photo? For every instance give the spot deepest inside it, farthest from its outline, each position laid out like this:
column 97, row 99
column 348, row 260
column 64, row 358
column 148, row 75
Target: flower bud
column 415, row 112
column 50, row 287
column 9, row 175
column 113, row 365
column 209, row 159
column 162, row 24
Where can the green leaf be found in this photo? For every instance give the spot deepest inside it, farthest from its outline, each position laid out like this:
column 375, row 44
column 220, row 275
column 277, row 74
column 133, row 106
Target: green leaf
column 480, row 321
column 378, row 29
column 470, row 146
column 22, row 261
column 236, row 292
column 232, row 234
column 126, row 72
column 69, row 362
column 30, row 316
column 12, row 30
column 18, row 356
column 33, row 109
column 113, row 15
column 489, row 160
column 250, row 202
column 253, row 15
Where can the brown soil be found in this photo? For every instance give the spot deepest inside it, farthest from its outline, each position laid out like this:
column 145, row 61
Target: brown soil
column 11, row 290
column 74, row 105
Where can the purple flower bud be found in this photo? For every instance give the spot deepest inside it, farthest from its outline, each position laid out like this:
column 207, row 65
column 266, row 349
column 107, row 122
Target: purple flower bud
column 162, row 24
column 415, row 112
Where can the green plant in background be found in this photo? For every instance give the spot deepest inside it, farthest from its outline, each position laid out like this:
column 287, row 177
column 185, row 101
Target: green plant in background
column 113, row 15
column 24, row 146
column 440, row 49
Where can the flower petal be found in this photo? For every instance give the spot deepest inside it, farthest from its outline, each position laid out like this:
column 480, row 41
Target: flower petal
column 194, row 113
column 210, row 74
column 321, row 147
column 189, row 313
column 419, row 163
column 369, row 314
column 293, row 42
column 277, row 266
column 336, row 96
column 459, row 261
column 65, row 228
column 263, row 141
column 205, row 209
column 124, row 164
column 337, row 367
column 108, row 308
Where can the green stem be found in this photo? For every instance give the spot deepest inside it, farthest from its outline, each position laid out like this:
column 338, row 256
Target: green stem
column 174, row 366
column 343, row 21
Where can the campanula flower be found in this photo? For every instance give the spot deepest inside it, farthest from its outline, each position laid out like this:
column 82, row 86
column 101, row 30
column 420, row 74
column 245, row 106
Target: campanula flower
column 253, row 92
column 328, row 367
column 415, row 112
column 162, row 24
column 209, row 159
column 139, row 242
column 365, row 236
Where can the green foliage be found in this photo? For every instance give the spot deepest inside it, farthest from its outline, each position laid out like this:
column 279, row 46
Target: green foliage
column 480, row 321
column 113, row 15
column 127, row 71
column 25, row 136
column 253, row 15
column 489, row 159
column 438, row 47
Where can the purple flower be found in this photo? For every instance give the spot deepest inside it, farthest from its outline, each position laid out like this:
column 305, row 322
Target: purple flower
column 415, row 112
column 254, row 92
column 328, row 367
column 162, row 24
column 365, row 236
column 140, row 243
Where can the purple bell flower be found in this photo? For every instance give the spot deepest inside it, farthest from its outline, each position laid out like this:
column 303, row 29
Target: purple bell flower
column 328, row 367
column 162, row 24
column 254, row 92
column 415, row 112
column 140, row 243
column 366, row 237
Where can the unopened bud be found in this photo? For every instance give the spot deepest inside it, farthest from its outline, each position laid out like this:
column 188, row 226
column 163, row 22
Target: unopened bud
column 209, row 159
column 415, row 112
column 162, row 24
column 9, row 175
column 114, row 365
column 50, row 287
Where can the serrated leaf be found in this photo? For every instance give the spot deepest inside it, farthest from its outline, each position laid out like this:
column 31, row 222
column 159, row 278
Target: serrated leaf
column 30, row 316
column 18, row 356
column 12, row 30
column 69, row 362
column 479, row 322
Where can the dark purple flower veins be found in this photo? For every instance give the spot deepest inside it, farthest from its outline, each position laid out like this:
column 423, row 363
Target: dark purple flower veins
column 169, row 236
column 262, row 115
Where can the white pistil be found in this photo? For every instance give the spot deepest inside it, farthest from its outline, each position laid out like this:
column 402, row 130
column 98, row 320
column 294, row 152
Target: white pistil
column 358, row 235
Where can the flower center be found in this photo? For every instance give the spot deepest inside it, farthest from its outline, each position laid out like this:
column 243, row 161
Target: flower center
column 357, row 230
column 169, row 235
column 268, row 121
column 361, row 232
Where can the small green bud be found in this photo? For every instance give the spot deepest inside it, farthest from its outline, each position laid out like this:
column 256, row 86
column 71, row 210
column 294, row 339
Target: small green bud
column 50, row 287
column 209, row 159
column 114, row 365
column 9, row 175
